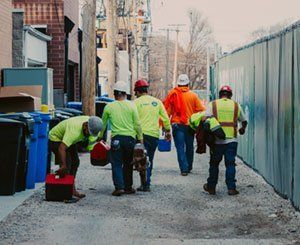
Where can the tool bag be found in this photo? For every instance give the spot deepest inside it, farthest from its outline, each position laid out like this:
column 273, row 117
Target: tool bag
column 100, row 155
column 59, row 189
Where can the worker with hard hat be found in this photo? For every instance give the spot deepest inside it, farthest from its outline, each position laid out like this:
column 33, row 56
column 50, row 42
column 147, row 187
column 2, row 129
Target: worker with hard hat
column 125, row 129
column 228, row 113
column 150, row 110
column 63, row 142
column 181, row 104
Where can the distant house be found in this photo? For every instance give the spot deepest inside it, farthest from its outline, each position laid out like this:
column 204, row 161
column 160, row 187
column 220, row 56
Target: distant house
column 5, row 34
column 56, row 18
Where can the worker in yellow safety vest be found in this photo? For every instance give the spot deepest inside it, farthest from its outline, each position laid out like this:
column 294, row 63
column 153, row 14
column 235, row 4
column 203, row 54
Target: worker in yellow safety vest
column 150, row 110
column 228, row 113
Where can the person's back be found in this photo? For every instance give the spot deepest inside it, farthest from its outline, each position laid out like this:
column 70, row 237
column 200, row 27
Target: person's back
column 186, row 105
column 150, row 110
column 228, row 113
column 125, row 127
column 181, row 104
column 69, row 131
column 121, row 115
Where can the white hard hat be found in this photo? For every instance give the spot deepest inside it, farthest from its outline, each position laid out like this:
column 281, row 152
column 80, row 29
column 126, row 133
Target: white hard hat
column 183, row 79
column 121, row 86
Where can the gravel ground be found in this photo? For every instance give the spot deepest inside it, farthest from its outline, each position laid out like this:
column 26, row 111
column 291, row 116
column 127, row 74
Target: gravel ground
column 177, row 211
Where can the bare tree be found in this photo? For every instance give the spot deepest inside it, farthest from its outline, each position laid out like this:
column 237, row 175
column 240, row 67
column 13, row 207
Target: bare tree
column 266, row 31
column 193, row 61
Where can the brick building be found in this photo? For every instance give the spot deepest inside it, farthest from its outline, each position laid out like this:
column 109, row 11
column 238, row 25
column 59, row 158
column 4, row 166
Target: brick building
column 48, row 16
column 5, row 34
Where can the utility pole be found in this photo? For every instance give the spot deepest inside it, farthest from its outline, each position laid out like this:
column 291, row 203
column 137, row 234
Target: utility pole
column 89, row 57
column 111, row 43
column 167, row 60
column 175, row 71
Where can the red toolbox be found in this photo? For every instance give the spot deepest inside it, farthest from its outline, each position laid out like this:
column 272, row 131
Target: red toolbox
column 59, row 189
column 100, row 154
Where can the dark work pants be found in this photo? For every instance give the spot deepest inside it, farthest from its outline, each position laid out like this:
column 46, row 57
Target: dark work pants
column 72, row 156
column 217, row 152
column 122, row 156
column 150, row 143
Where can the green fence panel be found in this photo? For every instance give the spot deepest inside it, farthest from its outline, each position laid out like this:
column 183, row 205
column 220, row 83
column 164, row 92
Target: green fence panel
column 296, row 89
column 272, row 108
column 284, row 176
column 260, row 105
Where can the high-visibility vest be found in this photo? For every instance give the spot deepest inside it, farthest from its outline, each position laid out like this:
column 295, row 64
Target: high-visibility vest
column 226, row 112
column 196, row 118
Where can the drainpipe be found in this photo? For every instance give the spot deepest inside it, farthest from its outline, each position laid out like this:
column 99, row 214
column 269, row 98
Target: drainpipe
column 80, row 62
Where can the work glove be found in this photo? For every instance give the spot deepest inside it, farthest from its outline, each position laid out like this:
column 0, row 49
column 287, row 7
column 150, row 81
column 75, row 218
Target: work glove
column 62, row 171
column 168, row 136
column 242, row 131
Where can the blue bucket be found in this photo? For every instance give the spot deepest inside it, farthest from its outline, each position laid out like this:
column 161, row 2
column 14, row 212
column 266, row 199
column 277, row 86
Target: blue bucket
column 164, row 145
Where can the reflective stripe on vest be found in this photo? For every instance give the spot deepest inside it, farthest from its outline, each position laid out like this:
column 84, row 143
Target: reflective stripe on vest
column 231, row 124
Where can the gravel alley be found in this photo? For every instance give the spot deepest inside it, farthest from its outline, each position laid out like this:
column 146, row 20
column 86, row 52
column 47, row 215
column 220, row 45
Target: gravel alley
column 177, row 211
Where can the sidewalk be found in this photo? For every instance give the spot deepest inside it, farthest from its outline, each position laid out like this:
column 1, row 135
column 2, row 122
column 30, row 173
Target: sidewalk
column 177, row 211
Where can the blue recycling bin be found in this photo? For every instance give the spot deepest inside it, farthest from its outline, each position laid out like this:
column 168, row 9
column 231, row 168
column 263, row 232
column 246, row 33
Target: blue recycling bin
column 75, row 105
column 42, row 153
column 31, row 171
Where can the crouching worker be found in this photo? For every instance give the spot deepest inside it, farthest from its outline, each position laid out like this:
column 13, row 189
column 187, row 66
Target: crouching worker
column 125, row 128
column 63, row 143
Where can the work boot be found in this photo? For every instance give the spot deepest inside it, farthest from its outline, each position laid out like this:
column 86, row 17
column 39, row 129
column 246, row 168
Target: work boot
column 77, row 194
column 211, row 191
column 184, row 174
column 144, row 188
column 233, row 192
column 118, row 193
column 129, row 191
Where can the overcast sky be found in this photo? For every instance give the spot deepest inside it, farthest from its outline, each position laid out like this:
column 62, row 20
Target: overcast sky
column 231, row 20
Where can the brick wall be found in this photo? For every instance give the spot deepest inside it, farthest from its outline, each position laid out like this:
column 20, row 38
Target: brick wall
column 51, row 13
column 71, row 10
column 5, row 34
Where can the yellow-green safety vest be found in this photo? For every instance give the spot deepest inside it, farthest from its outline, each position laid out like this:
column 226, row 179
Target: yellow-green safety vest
column 196, row 118
column 226, row 111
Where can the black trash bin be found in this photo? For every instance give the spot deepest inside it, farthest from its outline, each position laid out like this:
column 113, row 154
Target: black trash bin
column 28, row 130
column 64, row 113
column 10, row 138
column 100, row 108
column 53, row 122
column 72, row 111
column 61, row 117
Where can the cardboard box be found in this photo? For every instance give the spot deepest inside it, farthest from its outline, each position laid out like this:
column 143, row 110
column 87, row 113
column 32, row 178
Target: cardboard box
column 20, row 98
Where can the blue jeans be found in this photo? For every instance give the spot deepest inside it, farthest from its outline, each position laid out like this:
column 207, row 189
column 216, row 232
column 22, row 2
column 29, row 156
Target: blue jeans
column 217, row 152
column 184, row 143
column 122, row 156
column 150, row 143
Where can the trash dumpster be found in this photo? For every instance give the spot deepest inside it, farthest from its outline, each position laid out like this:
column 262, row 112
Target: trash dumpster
column 10, row 137
column 42, row 154
column 25, row 144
